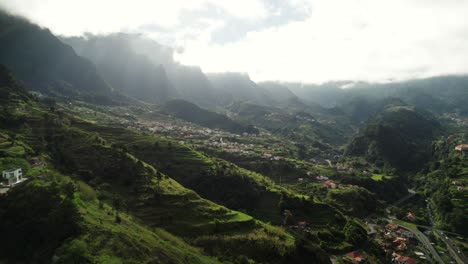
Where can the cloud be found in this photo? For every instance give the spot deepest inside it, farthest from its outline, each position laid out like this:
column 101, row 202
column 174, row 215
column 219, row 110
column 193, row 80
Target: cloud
column 73, row 17
column 288, row 40
column 349, row 40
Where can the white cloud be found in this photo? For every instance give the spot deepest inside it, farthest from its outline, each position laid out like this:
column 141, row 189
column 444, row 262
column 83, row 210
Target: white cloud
column 338, row 39
column 73, row 17
column 364, row 39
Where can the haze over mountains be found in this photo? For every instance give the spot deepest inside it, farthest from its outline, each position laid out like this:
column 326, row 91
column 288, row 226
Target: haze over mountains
column 145, row 70
column 129, row 156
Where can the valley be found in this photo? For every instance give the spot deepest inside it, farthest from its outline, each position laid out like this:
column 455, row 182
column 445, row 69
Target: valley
column 137, row 158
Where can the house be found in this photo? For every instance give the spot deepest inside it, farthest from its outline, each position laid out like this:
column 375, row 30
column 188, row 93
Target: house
column 462, row 147
column 399, row 241
column 329, row 184
column 410, row 216
column 391, row 227
column 355, row 257
column 11, row 177
column 322, row 178
column 399, row 259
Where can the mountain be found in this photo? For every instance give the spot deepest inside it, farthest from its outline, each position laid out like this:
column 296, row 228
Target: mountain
column 400, row 137
column 193, row 85
column 110, row 205
column 192, row 113
column 240, row 87
column 295, row 123
column 327, row 94
column 145, row 69
column 436, row 94
column 279, row 92
column 42, row 62
column 128, row 72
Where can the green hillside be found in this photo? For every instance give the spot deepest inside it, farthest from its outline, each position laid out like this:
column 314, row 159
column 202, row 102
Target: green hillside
column 191, row 112
column 44, row 63
column 400, row 137
column 130, row 185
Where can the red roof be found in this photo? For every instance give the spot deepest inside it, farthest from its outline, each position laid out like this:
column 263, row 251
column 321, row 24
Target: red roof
column 410, row 216
column 355, row 255
column 462, row 147
column 329, row 184
column 403, row 259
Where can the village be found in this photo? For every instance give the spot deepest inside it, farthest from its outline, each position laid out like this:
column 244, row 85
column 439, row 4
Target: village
column 244, row 144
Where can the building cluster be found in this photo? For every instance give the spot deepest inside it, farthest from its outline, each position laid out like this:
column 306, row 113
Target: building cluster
column 460, row 120
column 186, row 133
column 399, row 239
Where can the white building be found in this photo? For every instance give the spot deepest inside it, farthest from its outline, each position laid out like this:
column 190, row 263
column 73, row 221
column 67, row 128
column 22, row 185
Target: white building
column 11, row 177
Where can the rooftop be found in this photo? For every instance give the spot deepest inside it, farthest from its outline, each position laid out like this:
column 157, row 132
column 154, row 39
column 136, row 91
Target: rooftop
column 11, row 170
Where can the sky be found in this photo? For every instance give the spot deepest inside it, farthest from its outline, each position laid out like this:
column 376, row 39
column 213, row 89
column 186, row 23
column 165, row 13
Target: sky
column 311, row 41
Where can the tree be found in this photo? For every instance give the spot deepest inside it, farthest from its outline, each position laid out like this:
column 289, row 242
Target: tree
column 354, row 233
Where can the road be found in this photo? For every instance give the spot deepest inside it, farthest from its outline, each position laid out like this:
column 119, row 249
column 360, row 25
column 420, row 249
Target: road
column 459, row 257
column 411, row 193
column 426, row 243
column 454, row 251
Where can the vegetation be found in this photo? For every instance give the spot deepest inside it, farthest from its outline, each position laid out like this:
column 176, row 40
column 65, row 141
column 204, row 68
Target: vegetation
column 398, row 138
column 192, row 113
column 129, row 175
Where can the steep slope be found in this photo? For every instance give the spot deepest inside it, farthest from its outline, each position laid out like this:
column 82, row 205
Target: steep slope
column 295, row 123
column 78, row 229
column 218, row 180
column 44, row 63
column 193, row 85
column 192, row 113
column 240, row 88
column 63, row 212
column 145, row 69
column 150, row 197
column 445, row 180
column 278, row 92
column 129, row 72
column 401, row 137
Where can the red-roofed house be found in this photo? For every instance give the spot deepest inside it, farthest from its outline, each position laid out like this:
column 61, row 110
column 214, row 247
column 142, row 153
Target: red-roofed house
column 399, row 259
column 329, row 184
column 398, row 241
column 410, row 216
column 391, row 227
column 355, row 257
column 462, row 147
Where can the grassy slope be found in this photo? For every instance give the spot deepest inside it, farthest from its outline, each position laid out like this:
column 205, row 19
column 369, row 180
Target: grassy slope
column 151, row 196
column 219, row 180
column 130, row 241
column 106, row 241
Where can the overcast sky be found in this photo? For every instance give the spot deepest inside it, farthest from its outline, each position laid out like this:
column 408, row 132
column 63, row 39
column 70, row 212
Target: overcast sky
column 287, row 40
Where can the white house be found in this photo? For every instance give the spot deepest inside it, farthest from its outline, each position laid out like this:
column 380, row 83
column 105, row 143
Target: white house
column 10, row 177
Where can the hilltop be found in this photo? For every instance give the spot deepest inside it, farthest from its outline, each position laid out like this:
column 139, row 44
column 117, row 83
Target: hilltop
column 400, row 137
